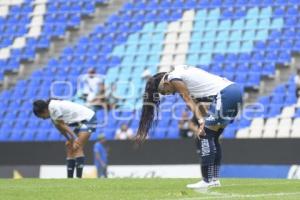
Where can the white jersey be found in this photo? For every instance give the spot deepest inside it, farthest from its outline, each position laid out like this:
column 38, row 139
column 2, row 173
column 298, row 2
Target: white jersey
column 69, row 112
column 199, row 82
column 90, row 84
column 124, row 135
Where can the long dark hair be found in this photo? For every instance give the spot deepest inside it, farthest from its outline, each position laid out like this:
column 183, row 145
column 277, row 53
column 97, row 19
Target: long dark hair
column 39, row 106
column 150, row 106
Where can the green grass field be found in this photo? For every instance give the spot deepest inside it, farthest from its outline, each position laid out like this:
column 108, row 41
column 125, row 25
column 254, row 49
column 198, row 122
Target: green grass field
column 142, row 189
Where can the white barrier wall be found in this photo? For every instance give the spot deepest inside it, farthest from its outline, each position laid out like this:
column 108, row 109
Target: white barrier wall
column 128, row 171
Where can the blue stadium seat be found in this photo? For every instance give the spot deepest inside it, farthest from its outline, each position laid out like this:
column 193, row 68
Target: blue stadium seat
column 290, row 100
column 229, row 132
column 253, row 80
column 277, row 99
column 173, row 133
column 274, row 111
column 264, row 100
column 268, row 70
column 284, row 57
column 16, row 135
column 297, row 113
column 279, row 12
column 53, row 136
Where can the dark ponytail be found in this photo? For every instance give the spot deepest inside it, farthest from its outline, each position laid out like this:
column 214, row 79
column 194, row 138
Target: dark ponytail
column 150, row 106
column 39, row 106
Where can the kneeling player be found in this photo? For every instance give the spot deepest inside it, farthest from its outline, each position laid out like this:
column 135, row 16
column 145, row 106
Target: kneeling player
column 75, row 122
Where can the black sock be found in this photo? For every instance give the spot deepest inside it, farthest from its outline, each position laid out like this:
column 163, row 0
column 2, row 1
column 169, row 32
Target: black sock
column 79, row 166
column 207, row 172
column 216, row 173
column 208, row 154
column 204, row 171
column 218, row 158
column 70, row 167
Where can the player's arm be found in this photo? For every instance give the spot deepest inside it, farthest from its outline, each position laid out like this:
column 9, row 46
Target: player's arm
column 65, row 130
column 181, row 88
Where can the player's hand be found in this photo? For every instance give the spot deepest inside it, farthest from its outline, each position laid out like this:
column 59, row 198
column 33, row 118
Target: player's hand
column 76, row 145
column 201, row 131
column 68, row 144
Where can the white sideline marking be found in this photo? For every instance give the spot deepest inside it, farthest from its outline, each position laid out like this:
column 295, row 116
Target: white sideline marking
column 219, row 195
column 251, row 184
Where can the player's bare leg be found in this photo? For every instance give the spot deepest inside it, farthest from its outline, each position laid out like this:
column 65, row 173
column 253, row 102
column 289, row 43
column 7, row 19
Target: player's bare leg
column 78, row 147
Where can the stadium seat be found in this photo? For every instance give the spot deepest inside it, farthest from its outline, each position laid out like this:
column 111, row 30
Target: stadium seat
column 296, row 128
column 284, row 128
column 243, row 133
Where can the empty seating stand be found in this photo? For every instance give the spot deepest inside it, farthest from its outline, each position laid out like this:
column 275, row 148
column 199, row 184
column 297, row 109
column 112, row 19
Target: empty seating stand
column 242, row 40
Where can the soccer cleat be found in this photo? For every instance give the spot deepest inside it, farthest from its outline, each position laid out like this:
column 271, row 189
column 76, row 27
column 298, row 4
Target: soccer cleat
column 215, row 183
column 199, row 185
column 204, row 185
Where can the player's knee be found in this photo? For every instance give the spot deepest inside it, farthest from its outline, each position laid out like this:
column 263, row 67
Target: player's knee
column 78, row 152
column 70, row 153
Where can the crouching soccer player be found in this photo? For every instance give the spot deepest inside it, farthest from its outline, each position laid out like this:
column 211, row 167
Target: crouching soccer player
column 196, row 85
column 75, row 122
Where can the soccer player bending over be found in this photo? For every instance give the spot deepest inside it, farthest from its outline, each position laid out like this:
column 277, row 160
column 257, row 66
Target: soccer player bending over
column 75, row 122
column 195, row 86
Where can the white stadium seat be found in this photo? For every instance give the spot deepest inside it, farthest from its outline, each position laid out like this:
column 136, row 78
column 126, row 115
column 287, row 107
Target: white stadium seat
column 19, row 43
column 298, row 103
column 186, row 26
column 37, row 21
column 271, row 123
column 188, row 15
column 269, row 133
column 40, row 2
column 15, row 2
column 270, row 128
column 179, row 59
column 171, row 37
column 4, row 53
column 182, row 48
column 257, row 122
column 288, row 112
column 184, row 37
column 167, row 60
column 173, row 27
column 256, row 133
column 243, row 133
column 3, row 11
column 284, row 128
column 39, row 9
column 295, row 133
column 256, row 127
column 35, row 31
column 164, row 68
column 169, row 49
